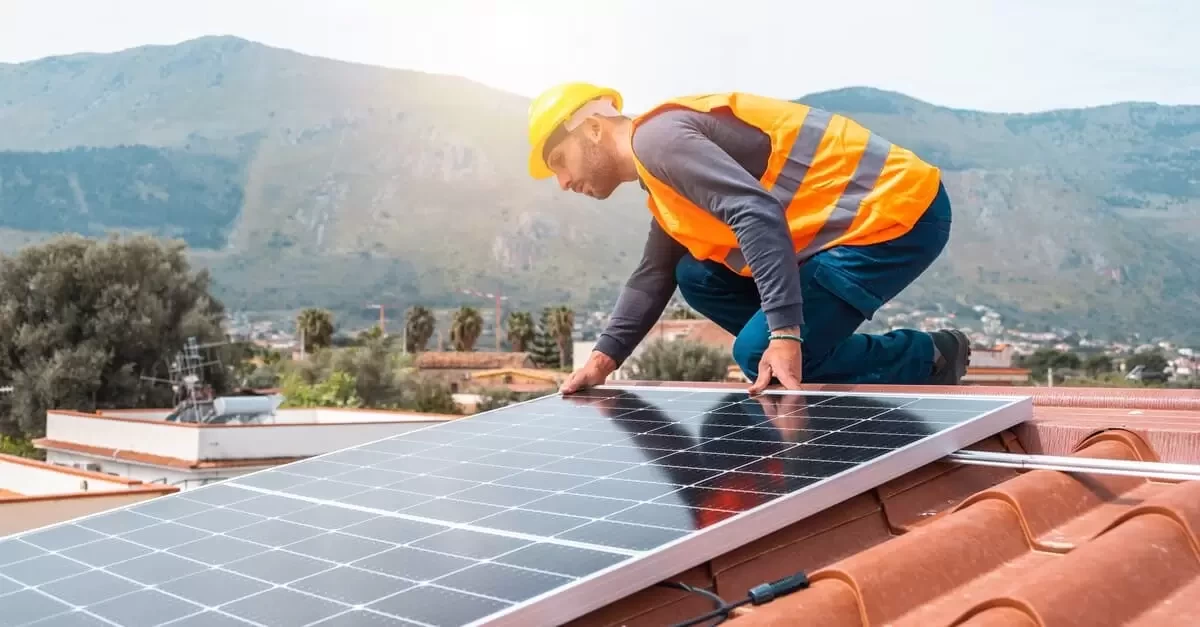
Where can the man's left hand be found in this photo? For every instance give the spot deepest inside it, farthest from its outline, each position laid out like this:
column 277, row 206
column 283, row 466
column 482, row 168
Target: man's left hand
column 782, row 360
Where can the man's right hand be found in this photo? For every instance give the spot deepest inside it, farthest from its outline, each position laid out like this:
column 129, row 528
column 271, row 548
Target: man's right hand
column 594, row 372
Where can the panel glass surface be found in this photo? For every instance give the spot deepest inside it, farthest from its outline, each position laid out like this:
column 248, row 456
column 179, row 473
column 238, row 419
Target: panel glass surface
column 458, row 522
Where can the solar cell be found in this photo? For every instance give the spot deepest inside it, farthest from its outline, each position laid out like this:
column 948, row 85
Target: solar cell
column 532, row 514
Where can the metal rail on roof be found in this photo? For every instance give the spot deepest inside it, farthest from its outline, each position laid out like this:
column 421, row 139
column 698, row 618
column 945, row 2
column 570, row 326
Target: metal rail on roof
column 1120, row 467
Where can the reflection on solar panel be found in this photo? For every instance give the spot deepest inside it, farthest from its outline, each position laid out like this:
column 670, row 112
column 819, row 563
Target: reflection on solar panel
column 530, row 515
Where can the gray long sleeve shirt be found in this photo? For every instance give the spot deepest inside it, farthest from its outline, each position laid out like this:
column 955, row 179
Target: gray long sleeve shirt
column 715, row 161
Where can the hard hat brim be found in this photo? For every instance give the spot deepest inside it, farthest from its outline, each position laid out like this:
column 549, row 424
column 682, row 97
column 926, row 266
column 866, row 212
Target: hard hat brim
column 537, row 165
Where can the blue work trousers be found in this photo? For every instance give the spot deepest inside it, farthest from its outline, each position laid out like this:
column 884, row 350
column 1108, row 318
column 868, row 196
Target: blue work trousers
column 842, row 287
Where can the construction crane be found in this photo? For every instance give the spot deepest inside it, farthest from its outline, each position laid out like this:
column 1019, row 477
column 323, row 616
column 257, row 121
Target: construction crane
column 494, row 296
column 383, row 322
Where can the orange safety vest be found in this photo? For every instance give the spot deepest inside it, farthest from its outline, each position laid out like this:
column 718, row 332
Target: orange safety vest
column 839, row 183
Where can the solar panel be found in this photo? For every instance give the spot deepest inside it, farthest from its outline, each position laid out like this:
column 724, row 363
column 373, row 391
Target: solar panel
column 533, row 514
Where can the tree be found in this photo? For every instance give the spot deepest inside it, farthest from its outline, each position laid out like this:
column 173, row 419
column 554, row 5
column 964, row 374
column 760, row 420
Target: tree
column 382, row 379
column 419, row 325
column 680, row 360
column 316, row 328
column 520, row 330
column 465, row 328
column 1045, row 358
column 85, row 320
column 1097, row 365
column 337, row 390
column 543, row 349
column 560, row 326
column 1151, row 361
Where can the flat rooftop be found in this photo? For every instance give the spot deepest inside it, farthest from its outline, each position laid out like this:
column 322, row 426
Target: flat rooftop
column 146, row 437
column 33, row 493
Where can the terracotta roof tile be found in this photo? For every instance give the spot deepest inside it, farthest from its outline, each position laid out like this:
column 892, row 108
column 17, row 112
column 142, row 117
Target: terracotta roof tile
column 1042, row 548
column 459, row 360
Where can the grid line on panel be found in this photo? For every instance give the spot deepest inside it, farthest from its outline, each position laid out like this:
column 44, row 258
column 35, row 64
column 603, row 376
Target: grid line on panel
column 453, row 525
column 333, row 565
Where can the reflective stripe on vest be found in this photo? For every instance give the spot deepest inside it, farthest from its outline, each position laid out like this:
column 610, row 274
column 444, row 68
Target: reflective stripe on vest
column 837, row 182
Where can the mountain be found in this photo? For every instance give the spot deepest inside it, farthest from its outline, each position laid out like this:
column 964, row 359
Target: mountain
column 301, row 180
column 1085, row 218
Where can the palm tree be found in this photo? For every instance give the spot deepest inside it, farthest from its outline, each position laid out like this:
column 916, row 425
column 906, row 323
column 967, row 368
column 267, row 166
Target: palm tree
column 419, row 325
column 520, row 330
column 465, row 328
column 561, row 325
column 316, row 328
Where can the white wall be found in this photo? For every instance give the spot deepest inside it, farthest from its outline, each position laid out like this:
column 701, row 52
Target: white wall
column 292, row 440
column 217, row 442
column 28, row 480
column 164, row 439
column 183, row 479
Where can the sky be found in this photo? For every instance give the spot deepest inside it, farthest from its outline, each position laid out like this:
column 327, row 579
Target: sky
column 992, row 55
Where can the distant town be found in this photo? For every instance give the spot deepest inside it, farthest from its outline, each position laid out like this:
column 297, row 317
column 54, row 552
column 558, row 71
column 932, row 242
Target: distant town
column 998, row 346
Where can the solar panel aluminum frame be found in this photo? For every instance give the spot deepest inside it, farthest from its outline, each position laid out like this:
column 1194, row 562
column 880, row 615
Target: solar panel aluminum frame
column 606, row 586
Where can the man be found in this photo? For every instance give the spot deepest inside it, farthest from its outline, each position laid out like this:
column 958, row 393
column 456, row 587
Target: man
column 786, row 225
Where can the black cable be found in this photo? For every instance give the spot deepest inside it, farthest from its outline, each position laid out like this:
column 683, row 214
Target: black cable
column 758, row 595
column 717, row 601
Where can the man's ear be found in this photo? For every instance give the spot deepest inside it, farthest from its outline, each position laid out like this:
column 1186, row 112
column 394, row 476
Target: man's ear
column 592, row 129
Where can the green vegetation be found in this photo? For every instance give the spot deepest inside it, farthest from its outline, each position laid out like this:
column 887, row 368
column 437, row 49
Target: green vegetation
column 164, row 192
column 20, row 447
column 316, row 327
column 1098, row 370
column 551, row 346
column 419, row 327
column 85, row 320
column 680, row 360
column 335, row 390
column 375, row 375
column 520, row 327
column 465, row 328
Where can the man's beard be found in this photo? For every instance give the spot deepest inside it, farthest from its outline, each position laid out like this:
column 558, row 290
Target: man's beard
column 603, row 176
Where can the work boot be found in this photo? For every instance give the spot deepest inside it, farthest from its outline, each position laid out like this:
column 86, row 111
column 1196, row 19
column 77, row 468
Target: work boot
column 953, row 356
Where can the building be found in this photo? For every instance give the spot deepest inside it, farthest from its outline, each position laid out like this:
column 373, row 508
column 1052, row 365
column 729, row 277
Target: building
column 476, row 385
column 35, row 493
column 994, row 366
column 157, row 446
column 456, row 367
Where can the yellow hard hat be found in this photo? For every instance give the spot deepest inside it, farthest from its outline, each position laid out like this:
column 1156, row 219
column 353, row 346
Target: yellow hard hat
column 553, row 107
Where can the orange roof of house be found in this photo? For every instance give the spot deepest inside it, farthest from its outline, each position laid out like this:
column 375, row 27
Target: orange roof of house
column 549, row 376
column 954, row 546
column 461, row 360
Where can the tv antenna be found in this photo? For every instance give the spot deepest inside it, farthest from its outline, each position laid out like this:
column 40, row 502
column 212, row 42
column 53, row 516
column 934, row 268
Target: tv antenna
column 186, row 373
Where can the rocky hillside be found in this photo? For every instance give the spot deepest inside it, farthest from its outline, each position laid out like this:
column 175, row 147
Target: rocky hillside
column 1077, row 217
column 299, row 179
column 304, row 180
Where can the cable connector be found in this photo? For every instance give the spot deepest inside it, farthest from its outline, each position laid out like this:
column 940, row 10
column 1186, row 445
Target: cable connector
column 767, row 592
column 757, row 595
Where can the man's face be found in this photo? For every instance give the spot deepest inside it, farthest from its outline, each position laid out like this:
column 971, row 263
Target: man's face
column 584, row 162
